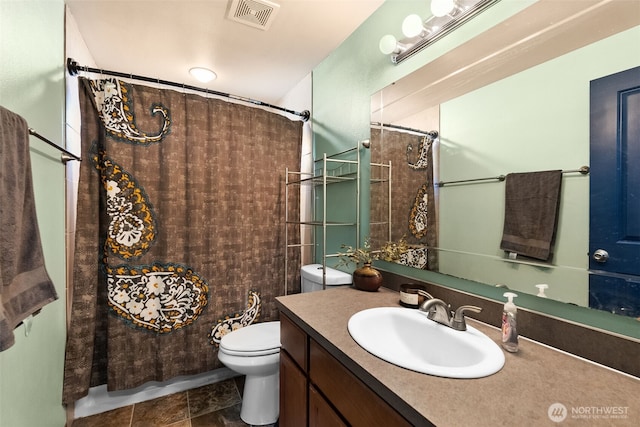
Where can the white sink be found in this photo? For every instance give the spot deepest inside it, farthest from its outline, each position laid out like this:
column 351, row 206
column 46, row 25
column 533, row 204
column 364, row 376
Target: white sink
column 406, row 338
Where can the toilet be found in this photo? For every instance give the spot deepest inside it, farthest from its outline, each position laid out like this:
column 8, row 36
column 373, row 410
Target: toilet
column 254, row 351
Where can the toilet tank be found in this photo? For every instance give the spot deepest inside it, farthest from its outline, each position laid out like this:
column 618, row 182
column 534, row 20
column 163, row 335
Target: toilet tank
column 311, row 276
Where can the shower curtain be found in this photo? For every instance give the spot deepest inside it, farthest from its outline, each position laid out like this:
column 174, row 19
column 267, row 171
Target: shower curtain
column 179, row 235
column 413, row 207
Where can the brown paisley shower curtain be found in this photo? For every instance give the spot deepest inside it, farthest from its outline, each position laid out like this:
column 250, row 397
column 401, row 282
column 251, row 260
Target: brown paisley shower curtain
column 413, row 207
column 179, row 234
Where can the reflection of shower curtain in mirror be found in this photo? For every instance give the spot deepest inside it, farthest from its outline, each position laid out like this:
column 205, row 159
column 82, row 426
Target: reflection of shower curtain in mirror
column 412, row 194
column 179, row 231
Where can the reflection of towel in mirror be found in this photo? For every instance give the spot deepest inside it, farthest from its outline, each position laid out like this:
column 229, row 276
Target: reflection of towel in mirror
column 25, row 286
column 532, row 201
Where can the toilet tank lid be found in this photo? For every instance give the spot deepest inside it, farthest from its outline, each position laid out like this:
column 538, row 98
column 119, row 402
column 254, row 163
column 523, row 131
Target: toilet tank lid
column 254, row 337
column 313, row 272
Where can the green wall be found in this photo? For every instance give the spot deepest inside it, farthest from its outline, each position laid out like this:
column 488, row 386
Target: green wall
column 32, row 85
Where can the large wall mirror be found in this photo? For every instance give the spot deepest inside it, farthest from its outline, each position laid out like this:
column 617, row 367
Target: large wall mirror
column 513, row 99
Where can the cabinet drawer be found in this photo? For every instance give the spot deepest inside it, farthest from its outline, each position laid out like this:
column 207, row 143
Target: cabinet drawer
column 357, row 403
column 294, row 341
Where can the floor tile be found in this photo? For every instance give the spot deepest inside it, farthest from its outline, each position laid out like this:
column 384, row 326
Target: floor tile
column 228, row 417
column 161, row 412
column 213, row 405
column 183, row 423
column 120, row 417
column 213, row 397
column 240, row 384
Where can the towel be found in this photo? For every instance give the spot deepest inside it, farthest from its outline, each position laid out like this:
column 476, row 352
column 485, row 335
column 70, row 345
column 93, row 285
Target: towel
column 25, row 286
column 532, row 201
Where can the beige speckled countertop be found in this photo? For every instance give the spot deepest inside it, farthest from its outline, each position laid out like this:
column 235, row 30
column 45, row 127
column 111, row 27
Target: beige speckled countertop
column 518, row 395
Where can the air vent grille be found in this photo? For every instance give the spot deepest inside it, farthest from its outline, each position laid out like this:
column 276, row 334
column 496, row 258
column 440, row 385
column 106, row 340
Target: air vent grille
column 255, row 13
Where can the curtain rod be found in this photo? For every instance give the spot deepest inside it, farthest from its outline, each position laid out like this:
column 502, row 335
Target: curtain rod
column 584, row 170
column 65, row 156
column 433, row 133
column 74, row 68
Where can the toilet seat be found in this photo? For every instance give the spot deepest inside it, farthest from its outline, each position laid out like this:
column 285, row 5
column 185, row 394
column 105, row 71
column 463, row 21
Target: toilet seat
column 258, row 339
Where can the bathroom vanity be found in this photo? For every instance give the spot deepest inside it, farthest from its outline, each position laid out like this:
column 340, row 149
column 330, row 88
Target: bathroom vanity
column 327, row 379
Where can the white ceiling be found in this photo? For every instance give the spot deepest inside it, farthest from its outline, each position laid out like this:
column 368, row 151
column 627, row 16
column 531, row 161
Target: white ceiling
column 163, row 39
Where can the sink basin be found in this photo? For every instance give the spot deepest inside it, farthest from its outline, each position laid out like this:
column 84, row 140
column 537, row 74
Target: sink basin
column 407, row 338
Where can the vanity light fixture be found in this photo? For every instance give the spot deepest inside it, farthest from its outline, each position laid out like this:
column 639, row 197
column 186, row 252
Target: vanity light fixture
column 204, row 75
column 447, row 15
column 441, row 8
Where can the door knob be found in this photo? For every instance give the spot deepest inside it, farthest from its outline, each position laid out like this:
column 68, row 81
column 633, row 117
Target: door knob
column 601, row 256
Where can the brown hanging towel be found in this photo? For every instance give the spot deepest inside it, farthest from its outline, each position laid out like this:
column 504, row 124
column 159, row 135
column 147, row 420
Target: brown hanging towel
column 25, row 286
column 532, row 201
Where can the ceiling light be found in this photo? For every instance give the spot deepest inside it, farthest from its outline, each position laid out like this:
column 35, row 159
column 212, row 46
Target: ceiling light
column 203, row 74
column 447, row 16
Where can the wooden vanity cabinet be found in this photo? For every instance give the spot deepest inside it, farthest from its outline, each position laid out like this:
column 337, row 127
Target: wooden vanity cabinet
column 317, row 390
column 293, row 377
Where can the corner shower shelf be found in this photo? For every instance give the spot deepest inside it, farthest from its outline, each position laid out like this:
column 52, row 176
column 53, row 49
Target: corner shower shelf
column 329, row 170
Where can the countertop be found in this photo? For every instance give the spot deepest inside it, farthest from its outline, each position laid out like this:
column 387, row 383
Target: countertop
column 522, row 393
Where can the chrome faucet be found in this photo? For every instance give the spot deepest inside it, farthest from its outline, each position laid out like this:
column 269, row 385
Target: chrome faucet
column 439, row 311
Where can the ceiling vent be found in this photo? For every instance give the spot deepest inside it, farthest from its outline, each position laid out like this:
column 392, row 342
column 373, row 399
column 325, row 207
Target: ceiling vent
column 254, row 13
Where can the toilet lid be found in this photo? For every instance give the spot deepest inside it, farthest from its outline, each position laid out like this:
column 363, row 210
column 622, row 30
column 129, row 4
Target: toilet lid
column 262, row 338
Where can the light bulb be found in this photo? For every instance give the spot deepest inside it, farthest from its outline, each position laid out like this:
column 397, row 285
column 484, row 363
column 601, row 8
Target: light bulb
column 388, row 44
column 441, row 7
column 412, row 26
column 203, row 74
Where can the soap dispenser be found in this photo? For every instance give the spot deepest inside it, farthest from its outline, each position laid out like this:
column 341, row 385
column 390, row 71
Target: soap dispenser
column 509, row 330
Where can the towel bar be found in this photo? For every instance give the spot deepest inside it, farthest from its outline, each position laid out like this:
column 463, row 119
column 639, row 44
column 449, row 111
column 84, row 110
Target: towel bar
column 65, row 156
column 584, row 170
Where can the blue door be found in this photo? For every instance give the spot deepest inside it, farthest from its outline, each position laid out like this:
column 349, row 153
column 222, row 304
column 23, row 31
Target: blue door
column 614, row 239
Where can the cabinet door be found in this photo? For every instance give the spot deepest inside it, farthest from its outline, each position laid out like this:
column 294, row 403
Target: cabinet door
column 355, row 401
column 293, row 393
column 294, row 341
column 321, row 414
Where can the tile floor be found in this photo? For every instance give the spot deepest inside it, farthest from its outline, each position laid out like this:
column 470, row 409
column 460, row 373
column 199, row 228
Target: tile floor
column 213, row 405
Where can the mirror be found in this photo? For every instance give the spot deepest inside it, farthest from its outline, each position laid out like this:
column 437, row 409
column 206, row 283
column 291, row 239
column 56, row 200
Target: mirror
column 513, row 99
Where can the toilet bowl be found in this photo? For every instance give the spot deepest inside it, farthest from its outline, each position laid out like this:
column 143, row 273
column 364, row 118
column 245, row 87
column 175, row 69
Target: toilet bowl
column 254, row 351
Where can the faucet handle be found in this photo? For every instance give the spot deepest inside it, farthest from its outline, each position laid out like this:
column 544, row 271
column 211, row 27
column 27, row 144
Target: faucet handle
column 429, row 304
column 425, row 294
column 458, row 323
